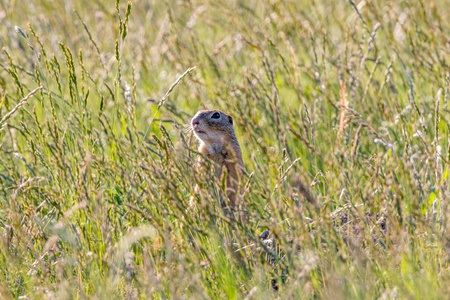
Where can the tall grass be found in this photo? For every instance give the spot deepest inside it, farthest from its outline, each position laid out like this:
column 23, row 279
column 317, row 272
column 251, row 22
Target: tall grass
column 341, row 109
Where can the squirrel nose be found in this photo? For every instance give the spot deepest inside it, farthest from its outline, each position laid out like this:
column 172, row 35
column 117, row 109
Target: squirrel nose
column 195, row 123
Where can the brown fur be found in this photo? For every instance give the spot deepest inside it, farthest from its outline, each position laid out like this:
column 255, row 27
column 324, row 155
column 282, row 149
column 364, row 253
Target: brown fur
column 218, row 143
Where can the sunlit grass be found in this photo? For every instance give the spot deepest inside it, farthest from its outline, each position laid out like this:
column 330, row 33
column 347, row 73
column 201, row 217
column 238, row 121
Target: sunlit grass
column 341, row 110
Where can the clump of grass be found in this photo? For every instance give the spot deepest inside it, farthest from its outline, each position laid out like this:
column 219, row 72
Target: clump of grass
column 340, row 108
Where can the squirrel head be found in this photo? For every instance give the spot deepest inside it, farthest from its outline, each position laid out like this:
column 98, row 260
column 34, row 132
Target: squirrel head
column 213, row 127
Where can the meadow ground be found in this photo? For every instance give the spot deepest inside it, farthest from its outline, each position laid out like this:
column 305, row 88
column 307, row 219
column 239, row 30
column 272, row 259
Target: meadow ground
column 341, row 109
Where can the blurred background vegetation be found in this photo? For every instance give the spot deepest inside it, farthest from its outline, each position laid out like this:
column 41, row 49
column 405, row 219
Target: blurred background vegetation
column 341, row 109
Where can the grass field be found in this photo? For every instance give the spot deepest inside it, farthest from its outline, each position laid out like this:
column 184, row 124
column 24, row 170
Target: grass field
column 341, row 109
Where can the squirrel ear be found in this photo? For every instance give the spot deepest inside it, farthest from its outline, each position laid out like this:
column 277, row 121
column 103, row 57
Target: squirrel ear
column 230, row 119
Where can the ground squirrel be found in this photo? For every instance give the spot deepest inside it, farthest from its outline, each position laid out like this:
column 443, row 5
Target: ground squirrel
column 215, row 131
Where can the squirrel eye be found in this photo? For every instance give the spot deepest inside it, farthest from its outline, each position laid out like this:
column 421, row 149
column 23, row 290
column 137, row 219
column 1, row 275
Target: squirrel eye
column 215, row 116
